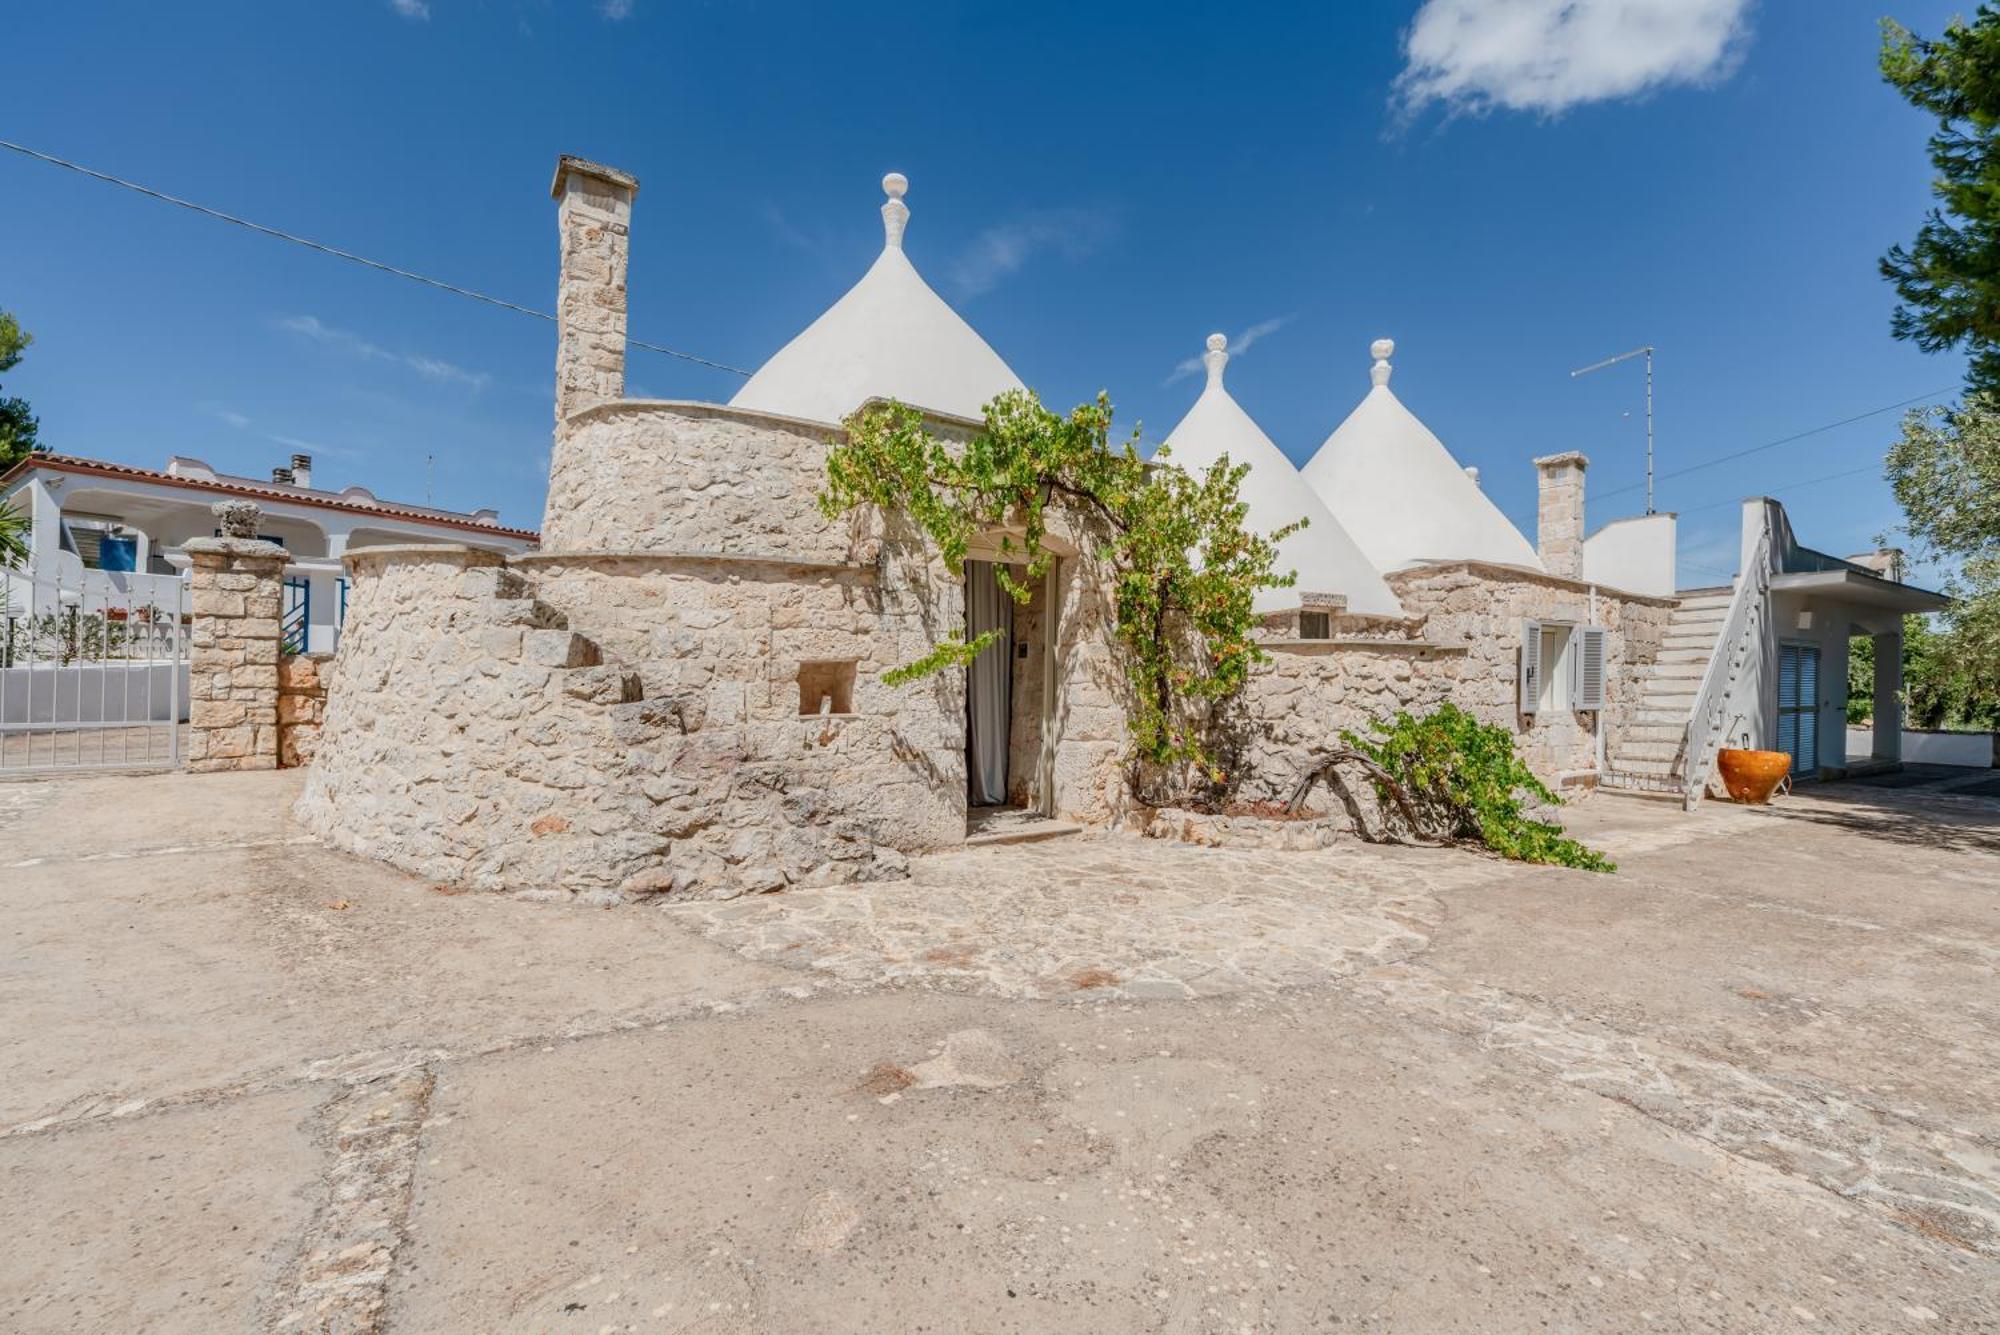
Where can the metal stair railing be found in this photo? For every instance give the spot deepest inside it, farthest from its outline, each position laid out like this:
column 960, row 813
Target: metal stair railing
column 1742, row 632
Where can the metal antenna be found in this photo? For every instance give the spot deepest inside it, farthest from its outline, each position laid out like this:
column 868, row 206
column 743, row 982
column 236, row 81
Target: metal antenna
column 430, row 467
column 1647, row 353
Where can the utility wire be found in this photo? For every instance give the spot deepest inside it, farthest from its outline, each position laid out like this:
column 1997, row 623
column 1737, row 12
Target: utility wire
column 336, row 251
column 1789, row 486
column 1774, row 444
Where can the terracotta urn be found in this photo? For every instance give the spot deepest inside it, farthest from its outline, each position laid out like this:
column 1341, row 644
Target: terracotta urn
column 1752, row 776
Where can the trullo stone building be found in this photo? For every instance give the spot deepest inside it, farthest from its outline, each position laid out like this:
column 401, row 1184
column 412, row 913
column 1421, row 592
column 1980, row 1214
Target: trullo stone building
column 681, row 692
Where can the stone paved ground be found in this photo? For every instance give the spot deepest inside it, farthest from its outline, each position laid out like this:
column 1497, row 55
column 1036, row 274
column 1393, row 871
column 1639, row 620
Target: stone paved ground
column 1749, row 1083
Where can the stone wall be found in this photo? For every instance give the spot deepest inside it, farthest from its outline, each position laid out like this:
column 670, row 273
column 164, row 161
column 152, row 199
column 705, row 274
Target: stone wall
column 236, row 595
column 1300, row 701
column 474, row 735
column 691, row 477
column 302, row 682
column 1480, row 607
column 1091, row 737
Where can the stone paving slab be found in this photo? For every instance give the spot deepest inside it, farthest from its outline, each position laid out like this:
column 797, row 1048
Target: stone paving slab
column 1111, row 917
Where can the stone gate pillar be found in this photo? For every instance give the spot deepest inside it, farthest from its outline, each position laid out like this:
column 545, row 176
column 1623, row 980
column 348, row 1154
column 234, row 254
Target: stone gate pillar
column 238, row 593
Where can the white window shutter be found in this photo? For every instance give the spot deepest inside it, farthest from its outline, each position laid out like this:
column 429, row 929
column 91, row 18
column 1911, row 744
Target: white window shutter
column 1531, row 666
column 1588, row 688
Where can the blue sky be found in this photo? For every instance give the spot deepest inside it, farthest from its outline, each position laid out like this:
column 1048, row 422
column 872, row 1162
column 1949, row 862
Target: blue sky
column 1507, row 192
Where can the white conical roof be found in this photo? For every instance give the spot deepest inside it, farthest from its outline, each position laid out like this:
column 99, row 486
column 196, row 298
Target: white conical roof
column 1325, row 557
column 1401, row 495
column 890, row 337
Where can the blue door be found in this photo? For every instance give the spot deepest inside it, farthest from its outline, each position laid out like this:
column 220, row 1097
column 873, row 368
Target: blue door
column 1798, row 707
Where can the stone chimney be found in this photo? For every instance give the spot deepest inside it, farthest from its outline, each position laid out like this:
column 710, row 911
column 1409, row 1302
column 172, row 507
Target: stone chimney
column 1559, row 526
column 1884, row 561
column 594, row 220
column 302, row 470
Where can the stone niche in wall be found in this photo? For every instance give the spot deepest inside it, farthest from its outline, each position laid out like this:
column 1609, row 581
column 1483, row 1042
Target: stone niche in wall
column 826, row 687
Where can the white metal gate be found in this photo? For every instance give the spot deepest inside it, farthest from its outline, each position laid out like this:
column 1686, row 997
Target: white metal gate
column 93, row 670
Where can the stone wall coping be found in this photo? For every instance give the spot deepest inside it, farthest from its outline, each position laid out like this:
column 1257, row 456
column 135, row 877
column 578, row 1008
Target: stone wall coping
column 472, row 556
column 697, row 408
column 1505, row 571
column 596, row 555
column 1371, row 645
column 237, row 547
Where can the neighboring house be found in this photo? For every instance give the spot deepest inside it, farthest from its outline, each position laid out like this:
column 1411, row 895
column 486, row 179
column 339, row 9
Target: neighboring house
column 114, row 529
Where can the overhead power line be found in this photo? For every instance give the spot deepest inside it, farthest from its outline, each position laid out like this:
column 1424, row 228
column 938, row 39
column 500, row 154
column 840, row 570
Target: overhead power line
column 1790, row 486
column 337, row 252
column 1785, row 440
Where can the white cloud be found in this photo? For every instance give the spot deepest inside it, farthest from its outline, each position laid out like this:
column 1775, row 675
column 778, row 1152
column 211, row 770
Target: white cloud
column 1239, row 345
column 431, row 368
column 229, row 415
column 416, row 10
column 1004, row 248
column 615, row 9
column 1550, row 55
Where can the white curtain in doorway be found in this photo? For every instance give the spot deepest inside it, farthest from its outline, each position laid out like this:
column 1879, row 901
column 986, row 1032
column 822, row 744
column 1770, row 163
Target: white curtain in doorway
column 989, row 684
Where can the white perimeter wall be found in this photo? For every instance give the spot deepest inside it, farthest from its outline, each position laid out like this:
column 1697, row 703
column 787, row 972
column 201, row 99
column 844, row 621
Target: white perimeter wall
column 1973, row 749
column 1635, row 555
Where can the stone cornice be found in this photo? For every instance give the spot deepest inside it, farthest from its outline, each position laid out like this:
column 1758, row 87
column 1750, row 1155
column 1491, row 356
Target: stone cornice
column 672, row 558
column 1398, row 579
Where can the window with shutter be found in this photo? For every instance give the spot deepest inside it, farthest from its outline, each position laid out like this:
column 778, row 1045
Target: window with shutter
column 1587, row 691
column 1531, row 666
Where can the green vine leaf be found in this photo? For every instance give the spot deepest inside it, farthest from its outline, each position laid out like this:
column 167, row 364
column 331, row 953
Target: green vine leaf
column 1183, row 568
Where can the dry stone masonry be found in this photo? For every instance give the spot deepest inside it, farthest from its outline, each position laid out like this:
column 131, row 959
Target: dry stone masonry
column 237, row 592
column 682, row 693
column 301, row 706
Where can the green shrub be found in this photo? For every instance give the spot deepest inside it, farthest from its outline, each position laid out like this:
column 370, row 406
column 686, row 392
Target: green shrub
column 1462, row 780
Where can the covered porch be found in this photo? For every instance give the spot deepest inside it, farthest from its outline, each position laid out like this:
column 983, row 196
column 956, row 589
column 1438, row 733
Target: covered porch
column 1817, row 615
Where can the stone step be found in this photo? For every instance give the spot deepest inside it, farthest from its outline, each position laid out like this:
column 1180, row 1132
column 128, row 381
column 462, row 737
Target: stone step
column 559, row 649
column 1648, row 717
column 528, row 613
column 1648, row 785
column 1632, row 749
column 1021, row 832
column 1702, row 601
column 1690, row 654
column 1657, row 769
column 1654, row 732
column 495, row 582
column 1690, row 670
